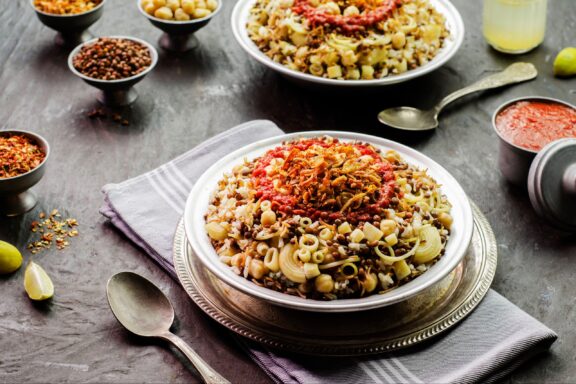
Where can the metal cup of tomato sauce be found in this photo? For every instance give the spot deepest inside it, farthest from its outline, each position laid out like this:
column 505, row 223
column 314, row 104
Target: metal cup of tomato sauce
column 525, row 126
column 538, row 152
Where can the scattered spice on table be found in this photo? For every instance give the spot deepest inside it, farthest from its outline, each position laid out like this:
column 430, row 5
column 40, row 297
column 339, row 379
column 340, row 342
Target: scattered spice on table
column 111, row 58
column 101, row 113
column 18, row 155
column 66, row 7
column 52, row 230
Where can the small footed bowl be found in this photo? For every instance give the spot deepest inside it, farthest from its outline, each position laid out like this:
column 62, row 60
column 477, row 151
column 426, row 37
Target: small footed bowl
column 15, row 197
column 115, row 93
column 71, row 28
column 178, row 36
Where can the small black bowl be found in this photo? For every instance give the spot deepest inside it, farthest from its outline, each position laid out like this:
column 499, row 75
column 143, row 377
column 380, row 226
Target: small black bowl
column 72, row 29
column 15, row 197
column 178, row 36
column 115, row 93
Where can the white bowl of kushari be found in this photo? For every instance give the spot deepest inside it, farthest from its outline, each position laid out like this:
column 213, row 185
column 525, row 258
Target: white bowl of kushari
column 350, row 43
column 328, row 221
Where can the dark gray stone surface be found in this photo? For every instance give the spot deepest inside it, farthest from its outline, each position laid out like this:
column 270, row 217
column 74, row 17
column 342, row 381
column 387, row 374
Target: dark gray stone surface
column 75, row 338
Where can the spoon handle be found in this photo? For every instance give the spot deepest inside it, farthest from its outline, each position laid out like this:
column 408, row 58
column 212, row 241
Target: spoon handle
column 208, row 374
column 515, row 73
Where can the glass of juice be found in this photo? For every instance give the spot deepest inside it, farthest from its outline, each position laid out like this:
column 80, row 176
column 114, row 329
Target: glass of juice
column 514, row 26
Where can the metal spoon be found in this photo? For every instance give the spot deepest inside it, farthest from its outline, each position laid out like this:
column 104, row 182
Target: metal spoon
column 413, row 119
column 143, row 309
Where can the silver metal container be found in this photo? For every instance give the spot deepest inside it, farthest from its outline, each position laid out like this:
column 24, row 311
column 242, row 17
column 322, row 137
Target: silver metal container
column 552, row 184
column 549, row 175
column 515, row 161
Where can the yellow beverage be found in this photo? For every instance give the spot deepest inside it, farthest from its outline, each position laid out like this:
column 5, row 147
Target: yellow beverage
column 514, row 26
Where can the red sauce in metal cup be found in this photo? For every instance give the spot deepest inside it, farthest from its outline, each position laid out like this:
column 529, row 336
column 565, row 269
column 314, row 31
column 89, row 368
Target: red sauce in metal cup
column 532, row 124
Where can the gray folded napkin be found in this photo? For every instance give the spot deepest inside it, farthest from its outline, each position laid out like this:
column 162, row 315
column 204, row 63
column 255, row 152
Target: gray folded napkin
column 487, row 345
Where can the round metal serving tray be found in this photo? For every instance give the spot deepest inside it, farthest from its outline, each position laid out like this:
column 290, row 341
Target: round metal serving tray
column 343, row 334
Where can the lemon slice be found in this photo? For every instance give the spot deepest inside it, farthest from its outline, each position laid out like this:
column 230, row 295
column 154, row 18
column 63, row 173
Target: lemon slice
column 565, row 63
column 37, row 283
column 10, row 258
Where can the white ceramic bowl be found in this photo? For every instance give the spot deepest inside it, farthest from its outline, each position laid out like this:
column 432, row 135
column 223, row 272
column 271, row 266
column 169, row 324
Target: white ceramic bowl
column 453, row 22
column 198, row 200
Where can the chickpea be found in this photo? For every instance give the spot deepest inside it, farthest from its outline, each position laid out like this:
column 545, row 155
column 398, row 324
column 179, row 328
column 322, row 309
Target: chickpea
column 180, row 15
column 211, row 5
column 159, row 3
column 164, row 13
column 398, row 40
column 351, row 11
column 257, row 269
column 173, row 4
column 268, row 218
column 188, row 6
column 445, row 219
column 216, row 231
column 324, row 283
column 149, row 8
column 200, row 13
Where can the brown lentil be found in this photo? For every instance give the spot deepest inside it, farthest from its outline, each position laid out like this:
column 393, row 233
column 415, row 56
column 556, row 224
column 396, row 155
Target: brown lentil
column 112, row 59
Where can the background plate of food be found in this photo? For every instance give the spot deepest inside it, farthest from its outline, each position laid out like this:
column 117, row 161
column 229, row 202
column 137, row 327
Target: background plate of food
column 349, row 43
column 328, row 221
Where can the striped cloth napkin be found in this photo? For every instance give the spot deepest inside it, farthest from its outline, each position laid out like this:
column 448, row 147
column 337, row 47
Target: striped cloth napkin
column 487, row 345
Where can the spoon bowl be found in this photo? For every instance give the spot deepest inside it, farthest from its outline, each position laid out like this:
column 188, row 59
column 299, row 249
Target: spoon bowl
column 413, row 119
column 139, row 305
column 144, row 310
column 409, row 118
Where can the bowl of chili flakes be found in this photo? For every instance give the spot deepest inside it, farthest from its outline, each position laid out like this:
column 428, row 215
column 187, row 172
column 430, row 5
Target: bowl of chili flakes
column 23, row 158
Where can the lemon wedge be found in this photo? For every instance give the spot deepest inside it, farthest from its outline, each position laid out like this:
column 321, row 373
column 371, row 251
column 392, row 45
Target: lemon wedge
column 565, row 63
column 37, row 283
column 10, row 258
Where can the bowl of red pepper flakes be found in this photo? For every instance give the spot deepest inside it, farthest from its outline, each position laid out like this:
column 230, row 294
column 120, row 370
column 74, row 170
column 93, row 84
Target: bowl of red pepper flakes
column 70, row 18
column 23, row 157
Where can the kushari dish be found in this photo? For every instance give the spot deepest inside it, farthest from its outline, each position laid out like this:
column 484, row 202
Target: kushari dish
column 326, row 219
column 348, row 39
